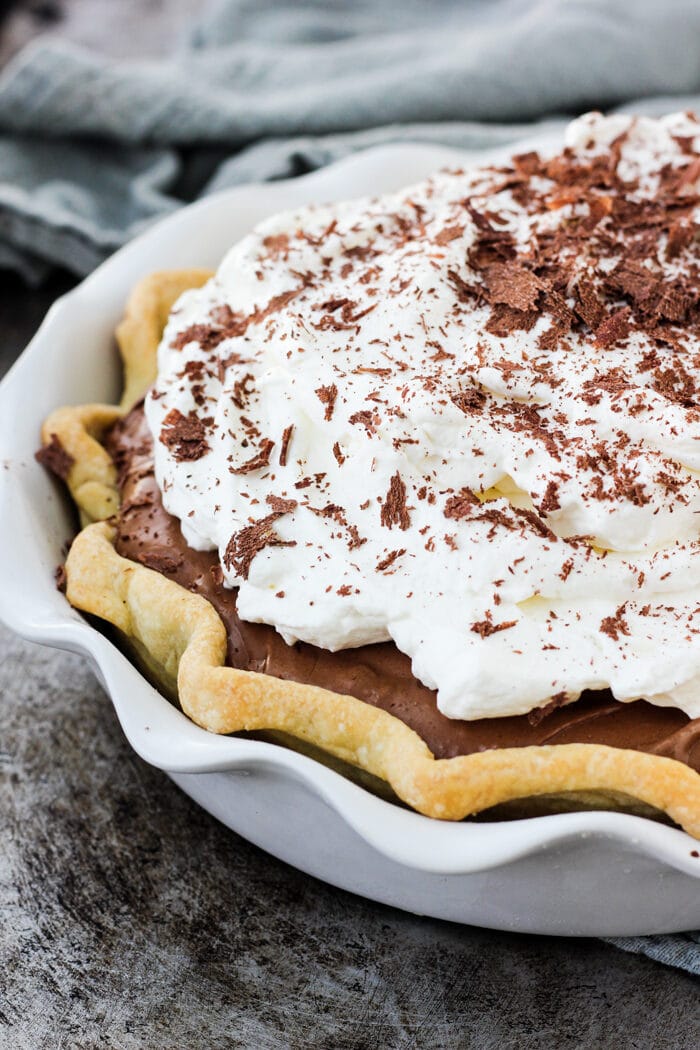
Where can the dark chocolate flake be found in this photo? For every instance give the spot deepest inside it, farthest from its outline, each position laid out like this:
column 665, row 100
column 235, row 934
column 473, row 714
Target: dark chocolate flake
column 680, row 237
column 447, row 234
column 389, row 560
column 245, row 544
column 367, row 419
column 485, row 628
column 394, row 510
column 527, row 163
column 614, row 329
column 258, row 461
column 469, row 401
column 462, row 505
column 242, row 389
column 184, row 436
column 504, row 319
column 615, row 625
column 510, row 284
column 550, row 500
column 588, row 306
column 280, row 505
column 327, row 396
column 284, row 445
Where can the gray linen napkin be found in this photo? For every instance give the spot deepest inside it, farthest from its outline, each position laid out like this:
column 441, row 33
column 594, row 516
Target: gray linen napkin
column 91, row 150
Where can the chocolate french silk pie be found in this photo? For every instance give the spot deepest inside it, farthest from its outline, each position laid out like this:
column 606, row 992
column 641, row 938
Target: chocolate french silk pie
column 413, row 482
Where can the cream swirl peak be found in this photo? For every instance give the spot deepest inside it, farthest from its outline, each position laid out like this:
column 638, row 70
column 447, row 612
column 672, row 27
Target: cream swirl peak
column 464, row 417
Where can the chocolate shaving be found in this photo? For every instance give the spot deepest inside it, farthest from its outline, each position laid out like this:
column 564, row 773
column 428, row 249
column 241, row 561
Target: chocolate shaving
column 674, row 304
column 391, row 557
column 485, row 628
column 284, row 445
column 506, row 319
column 614, row 329
column 327, row 396
column 462, row 505
column 680, row 236
column 229, row 325
column 241, row 390
column 348, row 315
column 258, row 461
column 205, row 335
column 566, row 569
column 245, row 544
column 277, row 303
column 469, row 401
column 550, row 500
column 491, row 245
column 331, row 510
column 523, row 418
column 675, row 384
column 512, row 285
column 588, row 306
column 465, row 292
column 367, row 419
column 634, row 280
column 281, row 505
column 277, row 245
column 355, row 540
column 527, row 163
column 615, row 625
column 447, row 234
column 184, row 436
column 535, row 523
column 394, row 510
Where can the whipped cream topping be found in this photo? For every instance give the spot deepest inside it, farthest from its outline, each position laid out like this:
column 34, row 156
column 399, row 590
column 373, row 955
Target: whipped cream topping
column 464, row 417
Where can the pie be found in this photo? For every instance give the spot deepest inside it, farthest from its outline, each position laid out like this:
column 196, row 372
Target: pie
column 412, row 483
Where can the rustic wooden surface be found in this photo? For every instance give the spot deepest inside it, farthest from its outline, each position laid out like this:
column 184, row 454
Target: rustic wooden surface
column 131, row 919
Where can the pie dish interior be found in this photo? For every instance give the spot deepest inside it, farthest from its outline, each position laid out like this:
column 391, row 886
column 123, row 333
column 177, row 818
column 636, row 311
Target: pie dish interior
column 178, row 640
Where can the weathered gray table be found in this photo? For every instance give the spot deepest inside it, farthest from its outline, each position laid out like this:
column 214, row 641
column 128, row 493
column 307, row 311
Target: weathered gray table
column 129, row 918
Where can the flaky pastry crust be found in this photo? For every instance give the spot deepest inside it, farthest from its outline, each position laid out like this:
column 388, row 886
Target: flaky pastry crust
column 178, row 638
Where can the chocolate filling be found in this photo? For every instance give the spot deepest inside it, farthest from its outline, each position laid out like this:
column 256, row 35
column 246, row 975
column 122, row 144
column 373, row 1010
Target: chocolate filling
column 377, row 674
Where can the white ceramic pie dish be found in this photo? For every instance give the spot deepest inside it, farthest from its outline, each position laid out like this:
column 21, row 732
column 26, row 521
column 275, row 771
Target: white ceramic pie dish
column 592, row 873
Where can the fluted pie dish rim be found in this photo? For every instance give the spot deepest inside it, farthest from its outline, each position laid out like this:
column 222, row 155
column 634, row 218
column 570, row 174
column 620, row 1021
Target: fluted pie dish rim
column 406, row 837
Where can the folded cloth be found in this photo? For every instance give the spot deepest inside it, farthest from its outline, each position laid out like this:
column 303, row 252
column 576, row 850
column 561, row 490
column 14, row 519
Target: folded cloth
column 681, row 950
column 92, row 150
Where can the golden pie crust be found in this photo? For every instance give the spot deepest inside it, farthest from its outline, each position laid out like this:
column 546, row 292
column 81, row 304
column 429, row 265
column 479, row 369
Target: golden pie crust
column 178, row 639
